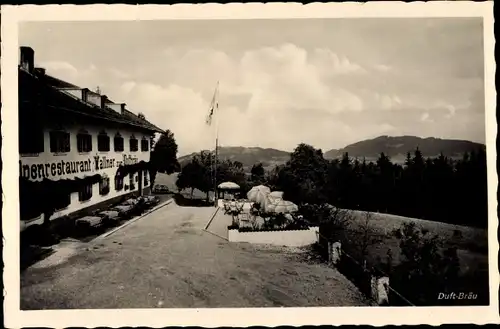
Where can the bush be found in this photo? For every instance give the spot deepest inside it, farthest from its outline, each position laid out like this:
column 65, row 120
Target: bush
column 424, row 271
column 361, row 239
column 332, row 222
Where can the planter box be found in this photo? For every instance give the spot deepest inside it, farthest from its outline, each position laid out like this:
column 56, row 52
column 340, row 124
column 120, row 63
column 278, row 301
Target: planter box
column 297, row 238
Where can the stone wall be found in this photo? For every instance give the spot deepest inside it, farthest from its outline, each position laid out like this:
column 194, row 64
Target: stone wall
column 296, row 238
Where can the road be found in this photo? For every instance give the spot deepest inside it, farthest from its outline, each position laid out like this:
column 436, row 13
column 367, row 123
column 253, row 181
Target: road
column 166, row 260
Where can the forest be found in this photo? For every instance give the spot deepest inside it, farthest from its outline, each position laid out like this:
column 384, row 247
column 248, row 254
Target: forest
column 437, row 189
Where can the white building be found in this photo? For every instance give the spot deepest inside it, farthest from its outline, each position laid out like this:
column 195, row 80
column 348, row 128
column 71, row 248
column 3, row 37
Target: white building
column 68, row 132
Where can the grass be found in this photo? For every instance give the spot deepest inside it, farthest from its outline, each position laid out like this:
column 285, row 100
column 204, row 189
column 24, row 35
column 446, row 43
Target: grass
column 472, row 251
column 471, row 243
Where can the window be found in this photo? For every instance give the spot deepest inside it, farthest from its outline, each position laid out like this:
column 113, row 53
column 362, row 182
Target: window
column 146, row 182
column 62, row 200
column 85, row 193
column 84, row 142
column 103, row 142
column 59, row 142
column 144, row 145
column 104, row 186
column 134, row 144
column 118, row 183
column 131, row 182
column 118, row 143
column 30, row 137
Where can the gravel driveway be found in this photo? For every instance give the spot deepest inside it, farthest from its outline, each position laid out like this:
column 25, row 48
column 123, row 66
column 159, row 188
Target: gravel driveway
column 167, row 260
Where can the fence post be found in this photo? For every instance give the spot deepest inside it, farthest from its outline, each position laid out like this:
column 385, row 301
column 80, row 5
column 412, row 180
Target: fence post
column 334, row 251
column 380, row 289
column 329, row 252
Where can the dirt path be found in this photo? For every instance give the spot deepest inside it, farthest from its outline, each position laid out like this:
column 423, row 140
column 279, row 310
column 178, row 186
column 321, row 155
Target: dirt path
column 167, row 260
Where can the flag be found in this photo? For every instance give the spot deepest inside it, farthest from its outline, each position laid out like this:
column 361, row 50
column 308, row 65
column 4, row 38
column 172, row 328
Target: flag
column 214, row 104
column 209, row 117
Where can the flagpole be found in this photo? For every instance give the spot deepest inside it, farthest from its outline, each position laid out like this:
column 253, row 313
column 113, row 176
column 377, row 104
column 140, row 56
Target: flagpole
column 216, row 197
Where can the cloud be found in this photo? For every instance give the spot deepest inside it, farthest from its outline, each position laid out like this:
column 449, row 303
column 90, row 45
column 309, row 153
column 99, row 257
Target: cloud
column 425, row 117
column 61, row 69
column 388, row 102
column 269, row 96
column 67, row 71
column 451, row 111
column 127, row 86
column 335, row 64
column 118, row 74
column 382, row 67
column 173, row 107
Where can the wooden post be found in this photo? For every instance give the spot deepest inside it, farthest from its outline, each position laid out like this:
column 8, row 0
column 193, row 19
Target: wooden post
column 380, row 290
column 329, row 252
column 336, row 252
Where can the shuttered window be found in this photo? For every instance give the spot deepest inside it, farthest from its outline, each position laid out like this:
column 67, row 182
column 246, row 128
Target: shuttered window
column 59, row 142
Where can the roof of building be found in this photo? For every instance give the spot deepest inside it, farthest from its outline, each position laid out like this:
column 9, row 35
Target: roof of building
column 56, row 98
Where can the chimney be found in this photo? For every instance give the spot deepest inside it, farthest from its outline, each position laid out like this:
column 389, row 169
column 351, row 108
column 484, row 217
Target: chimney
column 27, row 59
column 123, row 107
column 104, row 100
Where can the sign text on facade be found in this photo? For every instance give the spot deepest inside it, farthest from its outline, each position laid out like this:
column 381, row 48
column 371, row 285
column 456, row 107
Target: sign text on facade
column 62, row 167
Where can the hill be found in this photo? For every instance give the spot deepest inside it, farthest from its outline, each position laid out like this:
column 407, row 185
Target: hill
column 394, row 147
column 397, row 147
column 248, row 156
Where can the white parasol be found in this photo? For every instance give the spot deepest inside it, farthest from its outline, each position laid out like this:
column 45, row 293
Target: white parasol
column 282, row 206
column 258, row 194
column 228, row 186
column 276, row 194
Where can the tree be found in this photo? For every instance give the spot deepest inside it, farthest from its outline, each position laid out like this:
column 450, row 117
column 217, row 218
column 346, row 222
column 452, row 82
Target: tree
column 257, row 173
column 385, row 182
column 364, row 236
column 425, row 269
column 273, row 177
column 192, row 175
column 343, row 182
column 164, row 156
column 303, row 177
column 200, row 173
column 206, row 180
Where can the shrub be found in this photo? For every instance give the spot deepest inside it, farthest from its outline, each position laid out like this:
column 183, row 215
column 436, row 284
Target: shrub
column 424, row 271
column 361, row 238
column 332, row 222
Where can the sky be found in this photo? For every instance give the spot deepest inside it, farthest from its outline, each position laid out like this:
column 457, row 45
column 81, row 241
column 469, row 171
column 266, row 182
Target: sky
column 324, row 82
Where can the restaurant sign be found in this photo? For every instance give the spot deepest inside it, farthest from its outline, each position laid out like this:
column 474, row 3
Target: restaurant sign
column 62, row 168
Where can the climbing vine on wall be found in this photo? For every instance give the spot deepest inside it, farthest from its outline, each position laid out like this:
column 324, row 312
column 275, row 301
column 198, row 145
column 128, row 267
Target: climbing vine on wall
column 123, row 171
column 46, row 196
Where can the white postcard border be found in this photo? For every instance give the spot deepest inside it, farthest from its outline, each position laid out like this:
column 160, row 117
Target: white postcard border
column 11, row 15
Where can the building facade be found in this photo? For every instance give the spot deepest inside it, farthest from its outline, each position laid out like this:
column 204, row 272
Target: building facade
column 68, row 133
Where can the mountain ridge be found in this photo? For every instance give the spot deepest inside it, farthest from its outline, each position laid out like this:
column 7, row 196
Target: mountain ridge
column 396, row 147
column 399, row 146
